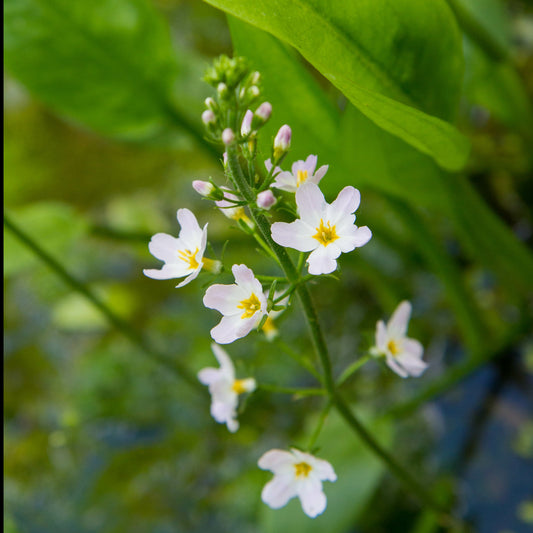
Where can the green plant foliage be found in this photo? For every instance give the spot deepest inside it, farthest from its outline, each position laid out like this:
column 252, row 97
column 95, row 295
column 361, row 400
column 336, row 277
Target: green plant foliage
column 54, row 226
column 108, row 65
column 389, row 81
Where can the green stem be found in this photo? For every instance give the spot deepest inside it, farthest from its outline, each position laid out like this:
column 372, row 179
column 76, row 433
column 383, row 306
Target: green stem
column 318, row 338
column 354, row 367
column 300, row 359
column 291, row 390
column 318, row 429
column 128, row 331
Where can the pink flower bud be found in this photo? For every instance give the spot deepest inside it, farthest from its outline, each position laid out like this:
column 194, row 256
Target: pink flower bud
column 266, row 199
column 225, row 158
column 203, row 187
column 282, row 141
column 246, row 127
column 208, row 117
column 228, row 136
column 264, row 111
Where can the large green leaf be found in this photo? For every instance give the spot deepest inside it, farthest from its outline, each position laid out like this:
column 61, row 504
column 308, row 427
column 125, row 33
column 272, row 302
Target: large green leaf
column 107, row 64
column 396, row 61
column 358, row 474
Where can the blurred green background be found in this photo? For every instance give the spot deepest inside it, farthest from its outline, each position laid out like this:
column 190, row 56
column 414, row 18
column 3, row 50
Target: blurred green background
column 102, row 140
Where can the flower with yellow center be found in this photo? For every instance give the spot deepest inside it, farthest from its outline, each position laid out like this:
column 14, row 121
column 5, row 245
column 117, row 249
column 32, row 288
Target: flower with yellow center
column 183, row 256
column 402, row 354
column 296, row 473
column 225, row 389
column 301, row 172
column 243, row 305
column 325, row 230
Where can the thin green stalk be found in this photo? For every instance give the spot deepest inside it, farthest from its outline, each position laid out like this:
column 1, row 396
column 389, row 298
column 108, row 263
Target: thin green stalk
column 300, row 359
column 354, row 367
column 319, row 341
column 291, row 390
column 319, row 426
column 128, row 331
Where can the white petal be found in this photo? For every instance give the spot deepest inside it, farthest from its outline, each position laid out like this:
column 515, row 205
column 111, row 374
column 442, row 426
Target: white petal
column 413, row 347
column 311, row 496
column 285, row 181
column 397, row 324
column 395, row 367
column 381, row 336
column 232, row 424
column 248, row 384
column 310, row 164
column 164, row 247
column 190, row 233
column 244, row 276
column 209, row 375
column 226, row 364
column 323, row 469
column 354, row 238
column 226, row 330
column 246, row 325
column 190, row 277
column 347, row 201
column 277, row 492
column 414, row 367
column 277, row 461
column 168, row 271
column 311, row 203
column 222, row 412
column 223, row 298
column 322, row 261
column 297, row 235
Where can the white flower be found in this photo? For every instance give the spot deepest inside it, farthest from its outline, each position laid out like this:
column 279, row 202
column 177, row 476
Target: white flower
column 301, row 172
column 403, row 355
column 231, row 209
column 183, row 256
column 242, row 305
column 296, row 474
column 225, row 389
column 326, row 230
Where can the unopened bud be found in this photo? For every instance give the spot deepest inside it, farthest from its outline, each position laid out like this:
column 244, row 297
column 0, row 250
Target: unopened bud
column 203, row 187
column 282, row 141
column 255, row 77
column 208, row 117
column 210, row 104
column 264, row 111
column 246, row 127
column 253, row 92
column 225, row 159
column 228, row 136
column 266, row 199
column 222, row 90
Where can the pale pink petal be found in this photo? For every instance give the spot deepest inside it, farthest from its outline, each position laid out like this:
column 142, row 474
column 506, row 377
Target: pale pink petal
column 223, row 298
column 354, row 238
column 397, row 324
column 319, row 174
column 168, row 271
column 277, row 492
column 322, row 260
column 413, row 348
column 243, row 275
column 412, row 364
column 164, row 247
column 277, row 461
column 395, row 367
column 227, row 330
column 311, row 203
column 311, row 496
column 297, row 235
column 285, row 181
column 381, row 336
column 226, row 364
column 347, row 202
column 310, row 164
column 246, row 325
column 190, row 234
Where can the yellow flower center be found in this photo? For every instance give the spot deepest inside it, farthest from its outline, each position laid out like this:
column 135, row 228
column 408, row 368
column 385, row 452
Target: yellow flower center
column 301, row 176
column 302, row 469
column 325, row 234
column 189, row 257
column 239, row 386
column 393, row 348
column 250, row 305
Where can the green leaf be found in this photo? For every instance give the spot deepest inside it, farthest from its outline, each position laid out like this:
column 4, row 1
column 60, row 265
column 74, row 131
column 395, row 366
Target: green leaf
column 107, row 64
column 394, row 62
column 358, row 474
column 53, row 225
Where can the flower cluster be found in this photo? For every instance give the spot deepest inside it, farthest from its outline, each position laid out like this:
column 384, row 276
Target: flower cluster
column 321, row 229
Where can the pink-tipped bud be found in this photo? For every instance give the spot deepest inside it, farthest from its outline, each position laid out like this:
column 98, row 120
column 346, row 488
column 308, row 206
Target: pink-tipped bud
column 222, row 90
column 282, row 141
column 208, row 117
column 266, row 199
column 264, row 111
column 228, row 136
column 203, row 187
column 210, row 103
column 246, row 127
column 225, row 159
